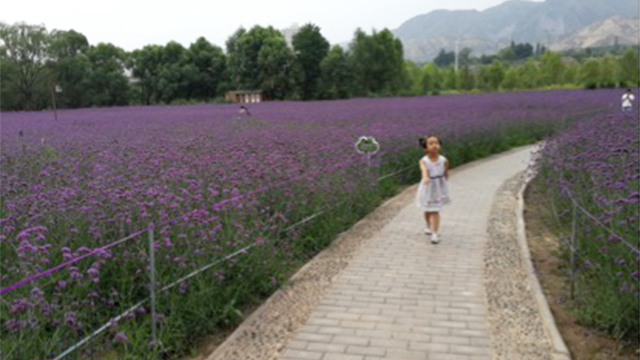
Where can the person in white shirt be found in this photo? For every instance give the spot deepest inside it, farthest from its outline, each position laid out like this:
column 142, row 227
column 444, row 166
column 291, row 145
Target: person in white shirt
column 627, row 100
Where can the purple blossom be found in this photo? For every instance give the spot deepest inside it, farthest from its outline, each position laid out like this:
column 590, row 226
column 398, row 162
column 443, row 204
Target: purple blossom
column 121, row 338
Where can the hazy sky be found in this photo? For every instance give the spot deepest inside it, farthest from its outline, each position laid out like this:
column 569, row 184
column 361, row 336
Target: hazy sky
column 133, row 24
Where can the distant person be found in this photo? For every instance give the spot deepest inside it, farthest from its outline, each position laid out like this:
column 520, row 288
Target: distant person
column 244, row 111
column 627, row 100
column 432, row 191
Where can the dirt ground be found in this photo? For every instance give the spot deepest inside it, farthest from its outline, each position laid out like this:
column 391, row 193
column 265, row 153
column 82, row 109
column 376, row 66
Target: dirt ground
column 583, row 343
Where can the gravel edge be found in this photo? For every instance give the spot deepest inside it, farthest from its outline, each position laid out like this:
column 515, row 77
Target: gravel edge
column 561, row 352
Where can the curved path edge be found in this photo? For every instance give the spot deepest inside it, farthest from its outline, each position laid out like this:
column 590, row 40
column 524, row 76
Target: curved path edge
column 561, row 352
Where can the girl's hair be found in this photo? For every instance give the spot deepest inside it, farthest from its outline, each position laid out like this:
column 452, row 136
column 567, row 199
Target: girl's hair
column 423, row 141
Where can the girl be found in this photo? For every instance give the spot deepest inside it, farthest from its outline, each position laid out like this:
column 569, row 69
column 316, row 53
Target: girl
column 432, row 191
column 627, row 100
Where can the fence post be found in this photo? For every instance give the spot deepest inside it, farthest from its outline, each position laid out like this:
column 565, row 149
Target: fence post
column 573, row 249
column 152, row 285
column 369, row 171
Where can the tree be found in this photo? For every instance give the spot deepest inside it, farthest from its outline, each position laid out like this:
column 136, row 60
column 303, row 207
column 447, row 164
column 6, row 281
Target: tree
column 412, row 79
column 310, row 47
column 629, row 70
column 276, row 67
column 609, row 73
column 107, row 84
column 450, row 79
column 432, row 79
column 571, row 72
column 146, row 64
column 378, row 62
column 488, row 59
column 261, row 59
column 483, row 78
column 243, row 48
column 511, row 79
column 26, row 50
column 551, row 68
column 9, row 73
column 464, row 57
column 508, row 54
column 497, row 72
column 445, row 58
column 590, row 73
column 235, row 58
column 516, row 52
column 210, row 66
column 529, row 75
column 523, row 51
column 70, row 68
column 179, row 76
column 466, row 79
column 336, row 77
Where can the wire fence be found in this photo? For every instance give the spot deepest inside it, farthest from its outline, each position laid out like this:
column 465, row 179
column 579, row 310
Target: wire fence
column 603, row 271
column 154, row 289
column 601, row 257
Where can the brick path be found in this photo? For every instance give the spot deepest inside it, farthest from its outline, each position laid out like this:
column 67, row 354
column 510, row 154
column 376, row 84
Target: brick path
column 404, row 298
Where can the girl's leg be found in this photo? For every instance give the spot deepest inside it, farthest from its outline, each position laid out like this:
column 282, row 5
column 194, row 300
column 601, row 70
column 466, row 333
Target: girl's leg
column 435, row 222
column 426, row 218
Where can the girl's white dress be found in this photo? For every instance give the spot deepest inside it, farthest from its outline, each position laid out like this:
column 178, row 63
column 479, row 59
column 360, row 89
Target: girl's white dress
column 432, row 197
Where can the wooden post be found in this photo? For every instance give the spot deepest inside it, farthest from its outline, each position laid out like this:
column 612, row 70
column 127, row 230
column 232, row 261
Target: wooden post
column 53, row 99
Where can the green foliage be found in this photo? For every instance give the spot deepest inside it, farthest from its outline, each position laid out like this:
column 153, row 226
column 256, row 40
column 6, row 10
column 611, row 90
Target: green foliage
column 466, row 79
column 590, row 74
column 106, row 83
column 70, row 68
column 209, row 68
column 146, row 64
column 276, row 67
column 529, row 75
column 516, row 52
column 551, row 68
column 450, row 79
column 377, row 62
column 336, row 76
column 310, row 49
column 413, row 77
column 25, row 50
column 432, row 79
column 260, row 59
column 34, row 62
column 445, row 58
column 609, row 74
column 511, row 79
column 629, row 69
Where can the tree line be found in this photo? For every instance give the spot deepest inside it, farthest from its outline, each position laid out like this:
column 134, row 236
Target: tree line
column 38, row 67
column 523, row 66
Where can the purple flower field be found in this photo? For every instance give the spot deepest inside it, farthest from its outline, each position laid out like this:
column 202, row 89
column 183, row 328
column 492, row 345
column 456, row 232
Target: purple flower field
column 597, row 164
column 212, row 183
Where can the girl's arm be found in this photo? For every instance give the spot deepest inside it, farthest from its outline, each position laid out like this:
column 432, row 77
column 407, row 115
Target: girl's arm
column 425, row 172
column 446, row 169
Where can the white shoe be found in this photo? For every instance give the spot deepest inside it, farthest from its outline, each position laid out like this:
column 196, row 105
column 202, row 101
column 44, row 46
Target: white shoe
column 434, row 238
column 427, row 231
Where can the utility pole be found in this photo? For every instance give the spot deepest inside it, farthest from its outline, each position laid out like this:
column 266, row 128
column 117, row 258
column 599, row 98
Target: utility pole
column 53, row 89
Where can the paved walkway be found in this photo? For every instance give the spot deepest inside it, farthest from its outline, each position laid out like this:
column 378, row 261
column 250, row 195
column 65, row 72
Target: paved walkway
column 402, row 297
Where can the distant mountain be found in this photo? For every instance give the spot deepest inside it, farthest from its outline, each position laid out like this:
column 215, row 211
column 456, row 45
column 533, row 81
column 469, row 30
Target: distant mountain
column 521, row 21
column 603, row 33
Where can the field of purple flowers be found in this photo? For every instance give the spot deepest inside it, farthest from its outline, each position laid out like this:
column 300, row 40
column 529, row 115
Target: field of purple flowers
column 596, row 166
column 211, row 183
